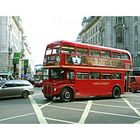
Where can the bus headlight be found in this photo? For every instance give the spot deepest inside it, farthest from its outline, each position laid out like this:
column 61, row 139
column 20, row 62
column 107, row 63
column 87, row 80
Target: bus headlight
column 54, row 89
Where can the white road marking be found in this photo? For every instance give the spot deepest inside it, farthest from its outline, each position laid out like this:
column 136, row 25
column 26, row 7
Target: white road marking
column 38, row 111
column 138, row 122
column 135, row 110
column 58, row 120
column 86, row 112
column 106, row 113
column 108, row 105
column 115, row 114
column 45, row 105
column 14, row 117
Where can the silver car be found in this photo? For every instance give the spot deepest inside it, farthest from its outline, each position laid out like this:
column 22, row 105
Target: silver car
column 13, row 88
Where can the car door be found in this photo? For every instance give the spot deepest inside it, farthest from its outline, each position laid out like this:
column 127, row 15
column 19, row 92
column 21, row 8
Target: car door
column 8, row 89
column 18, row 87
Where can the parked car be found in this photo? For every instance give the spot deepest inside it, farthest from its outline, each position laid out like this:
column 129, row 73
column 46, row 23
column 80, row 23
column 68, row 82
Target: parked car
column 13, row 88
column 134, row 83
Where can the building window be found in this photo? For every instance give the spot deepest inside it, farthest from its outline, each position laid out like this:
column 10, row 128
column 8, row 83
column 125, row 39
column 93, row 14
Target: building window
column 120, row 20
column 136, row 46
column 119, row 36
column 136, row 30
column 135, row 19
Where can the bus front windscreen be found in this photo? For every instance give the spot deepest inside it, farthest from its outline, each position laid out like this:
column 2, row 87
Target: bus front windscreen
column 56, row 73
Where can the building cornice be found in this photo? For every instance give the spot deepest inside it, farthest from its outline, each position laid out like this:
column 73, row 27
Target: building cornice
column 90, row 24
column 18, row 24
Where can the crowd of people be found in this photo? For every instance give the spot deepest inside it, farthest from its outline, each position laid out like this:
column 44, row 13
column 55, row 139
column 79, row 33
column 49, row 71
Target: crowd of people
column 9, row 77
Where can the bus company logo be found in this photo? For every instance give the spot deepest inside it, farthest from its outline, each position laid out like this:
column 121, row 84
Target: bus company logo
column 76, row 60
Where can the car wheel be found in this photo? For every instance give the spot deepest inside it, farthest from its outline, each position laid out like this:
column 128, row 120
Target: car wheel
column 66, row 95
column 116, row 92
column 25, row 94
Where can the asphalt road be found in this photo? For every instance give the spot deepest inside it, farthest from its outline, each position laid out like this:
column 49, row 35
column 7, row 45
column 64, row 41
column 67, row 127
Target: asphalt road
column 37, row 110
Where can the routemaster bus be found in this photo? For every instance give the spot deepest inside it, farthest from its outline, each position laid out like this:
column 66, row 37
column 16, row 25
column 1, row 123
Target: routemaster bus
column 83, row 70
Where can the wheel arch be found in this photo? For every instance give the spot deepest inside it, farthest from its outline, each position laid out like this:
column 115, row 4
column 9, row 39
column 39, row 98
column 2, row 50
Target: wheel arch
column 25, row 93
column 116, row 91
column 118, row 87
column 69, row 87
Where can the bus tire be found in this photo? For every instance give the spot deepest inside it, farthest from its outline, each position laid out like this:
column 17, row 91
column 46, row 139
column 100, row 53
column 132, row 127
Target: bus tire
column 116, row 92
column 66, row 95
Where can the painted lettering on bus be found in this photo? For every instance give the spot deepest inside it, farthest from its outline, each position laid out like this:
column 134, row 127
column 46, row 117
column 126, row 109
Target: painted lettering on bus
column 100, row 83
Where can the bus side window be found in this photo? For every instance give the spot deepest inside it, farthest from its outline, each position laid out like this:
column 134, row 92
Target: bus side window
column 106, row 76
column 106, row 54
column 125, row 56
column 116, row 55
column 67, row 50
column 82, row 51
column 94, row 53
column 70, row 75
column 81, row 75
column 116, row 76
column 94, row 75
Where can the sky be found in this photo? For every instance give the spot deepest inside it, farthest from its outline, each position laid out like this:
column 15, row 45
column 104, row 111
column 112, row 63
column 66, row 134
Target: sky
column 41, row 30
column 45, row 21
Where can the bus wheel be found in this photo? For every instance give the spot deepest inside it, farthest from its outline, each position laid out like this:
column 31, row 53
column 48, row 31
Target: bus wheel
column 116, row 92
column 66, row 95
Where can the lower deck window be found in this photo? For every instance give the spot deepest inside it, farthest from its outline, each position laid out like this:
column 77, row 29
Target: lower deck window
column 80, row 75
column 95, row 75
column 116, row 76
column 106, row 76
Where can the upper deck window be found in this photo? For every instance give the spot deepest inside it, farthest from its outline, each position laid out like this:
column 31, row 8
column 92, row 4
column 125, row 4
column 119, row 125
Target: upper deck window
column 48, row 51
column 56, row 50
column 82, row 51
column 105, row 54
column 95, row 53
column 125, row 56
column 116, row 55
column 67, row 49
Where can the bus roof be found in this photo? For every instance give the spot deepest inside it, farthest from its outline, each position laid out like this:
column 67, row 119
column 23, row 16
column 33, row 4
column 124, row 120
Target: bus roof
column 84, row 45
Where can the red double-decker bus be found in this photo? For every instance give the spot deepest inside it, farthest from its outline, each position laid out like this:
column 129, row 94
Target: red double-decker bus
column 81, row 70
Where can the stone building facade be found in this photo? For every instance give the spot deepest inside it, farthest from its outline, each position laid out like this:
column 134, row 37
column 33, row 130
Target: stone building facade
column 12, row 46
column 118, row 32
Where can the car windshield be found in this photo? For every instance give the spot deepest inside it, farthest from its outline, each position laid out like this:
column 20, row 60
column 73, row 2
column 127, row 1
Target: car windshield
column 56, row 73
